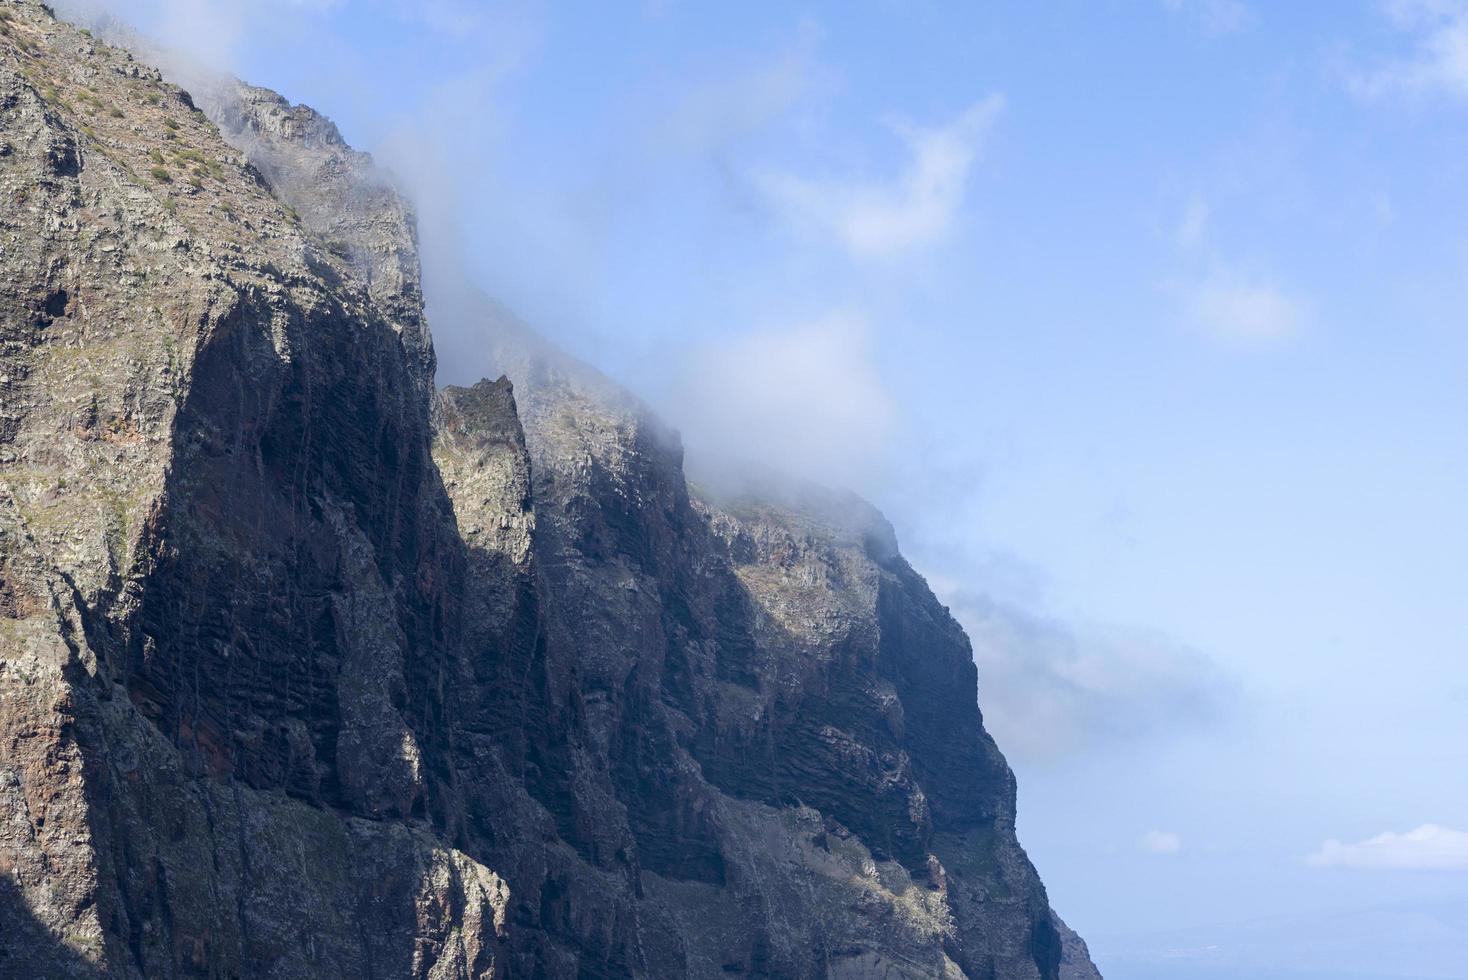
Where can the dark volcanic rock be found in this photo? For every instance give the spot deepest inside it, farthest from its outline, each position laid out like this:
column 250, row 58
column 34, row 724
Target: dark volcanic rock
column 307, row 671
column 789, row 713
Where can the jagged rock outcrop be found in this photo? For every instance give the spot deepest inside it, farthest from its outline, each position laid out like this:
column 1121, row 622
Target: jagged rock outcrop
column 833, row 801
column 225, row 546
column 309, row 671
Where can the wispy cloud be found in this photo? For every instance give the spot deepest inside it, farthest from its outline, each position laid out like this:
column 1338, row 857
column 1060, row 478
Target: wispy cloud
column 1438, row 63
column 1225, row 301
column 808, row 399
column 1236, row 307
column 1049, row 689
column 1163, row 842
column 874, row 217
column 209, row 32
column 204, row 33
column 712, row 113
column 1216, row 16
column 1428, row 848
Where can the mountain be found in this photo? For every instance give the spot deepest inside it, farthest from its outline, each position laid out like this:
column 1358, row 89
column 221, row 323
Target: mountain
column 309, row 669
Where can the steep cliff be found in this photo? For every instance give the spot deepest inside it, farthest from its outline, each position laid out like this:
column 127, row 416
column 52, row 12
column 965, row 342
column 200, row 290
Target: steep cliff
column 309, row 671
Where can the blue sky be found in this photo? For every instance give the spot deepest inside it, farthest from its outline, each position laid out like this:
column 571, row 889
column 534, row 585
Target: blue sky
column 1144, row 321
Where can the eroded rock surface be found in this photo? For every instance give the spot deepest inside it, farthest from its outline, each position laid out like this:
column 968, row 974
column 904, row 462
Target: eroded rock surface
column 309, row 671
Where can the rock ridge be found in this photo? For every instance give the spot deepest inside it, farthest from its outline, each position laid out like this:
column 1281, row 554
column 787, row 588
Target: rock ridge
column 308, row 669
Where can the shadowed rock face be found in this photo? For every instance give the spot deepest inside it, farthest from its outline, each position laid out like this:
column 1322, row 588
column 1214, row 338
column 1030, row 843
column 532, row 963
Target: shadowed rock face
column 308, row 671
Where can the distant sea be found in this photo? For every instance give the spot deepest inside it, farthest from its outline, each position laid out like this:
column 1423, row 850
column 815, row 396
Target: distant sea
column 1418, row 941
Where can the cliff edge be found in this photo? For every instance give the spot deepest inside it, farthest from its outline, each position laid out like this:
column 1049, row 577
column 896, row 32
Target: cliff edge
column 310, row 670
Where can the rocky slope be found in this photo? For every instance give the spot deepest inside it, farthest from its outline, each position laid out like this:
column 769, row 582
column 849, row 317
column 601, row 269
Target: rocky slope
column 309, row 671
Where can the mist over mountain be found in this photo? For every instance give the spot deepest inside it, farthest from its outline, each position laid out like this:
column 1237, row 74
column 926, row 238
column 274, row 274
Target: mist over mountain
column 312, row 667
column 1138, row 326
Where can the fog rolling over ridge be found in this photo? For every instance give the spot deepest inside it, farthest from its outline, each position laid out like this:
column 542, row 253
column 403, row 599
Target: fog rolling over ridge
column 316, row 669
column 1154, row 382
column 807, row 399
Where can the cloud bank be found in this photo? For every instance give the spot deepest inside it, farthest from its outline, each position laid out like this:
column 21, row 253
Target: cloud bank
column 1050, row 689
column 807, row 396
column 808, row 399
column 1428, row 848
column 201, row 33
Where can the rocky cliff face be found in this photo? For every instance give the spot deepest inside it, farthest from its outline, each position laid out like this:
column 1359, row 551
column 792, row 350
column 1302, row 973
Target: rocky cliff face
column 309, row 671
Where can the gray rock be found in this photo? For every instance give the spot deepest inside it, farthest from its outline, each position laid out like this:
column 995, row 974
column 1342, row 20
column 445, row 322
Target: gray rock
column 309, row 671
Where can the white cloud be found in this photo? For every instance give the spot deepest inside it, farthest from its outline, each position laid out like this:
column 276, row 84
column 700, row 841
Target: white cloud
column 1049, row 689
column 1428, row 848
column 915, row 207
column 1239, row 308
column 1161, row 842
column 1438, row 64
column 1219, row 298
column 209, row 33
column 807, row 399
column 1216, row 16
column 202, row 33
